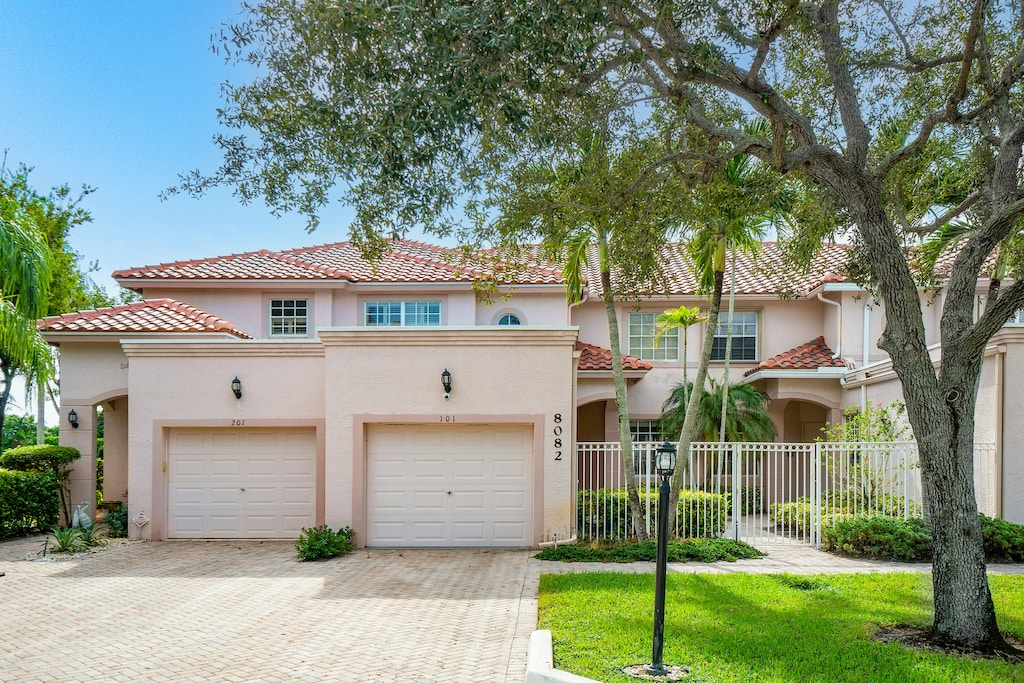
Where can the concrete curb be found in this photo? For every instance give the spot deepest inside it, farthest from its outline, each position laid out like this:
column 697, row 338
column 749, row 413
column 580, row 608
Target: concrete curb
column 540, row 663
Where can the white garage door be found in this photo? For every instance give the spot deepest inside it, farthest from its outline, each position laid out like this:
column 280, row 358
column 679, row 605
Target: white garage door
column 240, row 483
column 449, row 486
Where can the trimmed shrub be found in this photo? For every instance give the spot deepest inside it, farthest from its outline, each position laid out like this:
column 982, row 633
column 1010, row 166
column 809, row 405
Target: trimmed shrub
column 29, row 501
column 794, row 518
column 320, row 542
column 1004, row 541
column 605, row 512
column 44, row 458
column 883, row 538
column 117, row 522
column 689, row 550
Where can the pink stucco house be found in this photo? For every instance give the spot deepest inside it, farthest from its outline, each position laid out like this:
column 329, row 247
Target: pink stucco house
column 248, row 396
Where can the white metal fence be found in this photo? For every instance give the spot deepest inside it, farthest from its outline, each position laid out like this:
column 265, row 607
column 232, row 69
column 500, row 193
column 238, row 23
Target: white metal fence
column 763, row 493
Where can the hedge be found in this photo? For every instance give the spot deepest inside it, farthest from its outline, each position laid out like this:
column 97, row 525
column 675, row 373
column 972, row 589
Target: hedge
column 43, row 458
column 888, row 538
column 605, row 512
column 795, row 517
column 29, row 501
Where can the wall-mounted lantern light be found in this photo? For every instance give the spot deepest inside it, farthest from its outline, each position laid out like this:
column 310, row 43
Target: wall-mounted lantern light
column 73, row 418
column 446, row 382
column 236, row 387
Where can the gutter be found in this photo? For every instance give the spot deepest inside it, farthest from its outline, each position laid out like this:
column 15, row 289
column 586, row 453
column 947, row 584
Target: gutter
column 839, row 323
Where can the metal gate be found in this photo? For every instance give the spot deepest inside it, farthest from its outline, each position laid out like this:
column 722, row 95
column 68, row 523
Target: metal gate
column 763, row 493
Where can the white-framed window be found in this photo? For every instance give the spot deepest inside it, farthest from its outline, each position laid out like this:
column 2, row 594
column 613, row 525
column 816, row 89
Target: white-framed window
column 510, row 319
column 402, row 313
column 641, row 339
column 1017, row 319
column 289, row 317
column 645, row 430
column 744, row 336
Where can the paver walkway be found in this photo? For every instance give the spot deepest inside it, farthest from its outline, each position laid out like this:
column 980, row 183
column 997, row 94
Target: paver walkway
column 248, row 611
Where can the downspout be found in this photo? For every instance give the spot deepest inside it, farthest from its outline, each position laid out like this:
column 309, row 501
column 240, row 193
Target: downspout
column 865, row 354
column 1000, row 406
column 839, row 323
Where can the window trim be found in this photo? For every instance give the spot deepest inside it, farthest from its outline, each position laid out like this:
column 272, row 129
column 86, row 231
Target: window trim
column 501, row 315
column 756, row 336
column 282, row 302
column 403, row 313
column 665, row 346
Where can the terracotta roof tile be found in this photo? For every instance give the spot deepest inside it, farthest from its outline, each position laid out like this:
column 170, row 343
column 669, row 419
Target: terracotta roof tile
column 596, row 358
column 150, row 315
column 408, row 261
column 763, row 273
column 810, row 356
column 411, row 261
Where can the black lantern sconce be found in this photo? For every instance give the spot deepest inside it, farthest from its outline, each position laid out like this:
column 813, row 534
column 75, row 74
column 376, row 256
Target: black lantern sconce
column 446, row 382
column 236, row 387
column 73, row 418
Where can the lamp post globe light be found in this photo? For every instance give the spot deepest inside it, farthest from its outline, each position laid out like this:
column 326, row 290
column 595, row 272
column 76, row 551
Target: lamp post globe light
column 665, row 462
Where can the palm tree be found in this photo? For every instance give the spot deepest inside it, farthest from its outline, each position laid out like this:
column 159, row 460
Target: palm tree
column 748, row 418
column 745, row 199
column 611, row 200
column 681, row 318
column 24, row 278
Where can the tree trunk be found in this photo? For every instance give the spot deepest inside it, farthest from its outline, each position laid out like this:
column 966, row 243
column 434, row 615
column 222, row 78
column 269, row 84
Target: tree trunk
column 5, row 392
column 941, row 412
column 728, row 349
column 619, row 380
column 689, row 423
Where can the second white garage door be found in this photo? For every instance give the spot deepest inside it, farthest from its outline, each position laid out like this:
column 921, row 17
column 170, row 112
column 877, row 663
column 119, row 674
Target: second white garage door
column 240, row 483
column 449, row 485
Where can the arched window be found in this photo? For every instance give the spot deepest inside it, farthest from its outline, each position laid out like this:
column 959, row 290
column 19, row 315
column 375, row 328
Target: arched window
column 510, row 319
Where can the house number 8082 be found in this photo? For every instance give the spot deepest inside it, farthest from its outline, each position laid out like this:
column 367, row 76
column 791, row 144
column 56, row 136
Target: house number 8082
column 558, row 432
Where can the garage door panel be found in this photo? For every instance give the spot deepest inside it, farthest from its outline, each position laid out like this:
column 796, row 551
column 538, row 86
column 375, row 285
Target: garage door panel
column 469, row 469
column 242, row 483
column 450, row 486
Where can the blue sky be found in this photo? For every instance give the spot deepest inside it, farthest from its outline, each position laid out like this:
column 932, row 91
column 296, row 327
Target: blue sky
column 122, row 96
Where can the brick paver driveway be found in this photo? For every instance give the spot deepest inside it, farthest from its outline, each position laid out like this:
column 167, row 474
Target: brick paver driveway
column 248, row 611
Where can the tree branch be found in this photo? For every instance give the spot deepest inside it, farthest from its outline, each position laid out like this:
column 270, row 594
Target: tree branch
column 948, row 215
column 995, row 316
column 858, row 137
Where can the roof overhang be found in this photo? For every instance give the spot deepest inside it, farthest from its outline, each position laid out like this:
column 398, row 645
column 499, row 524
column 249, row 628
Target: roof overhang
column 817, row 373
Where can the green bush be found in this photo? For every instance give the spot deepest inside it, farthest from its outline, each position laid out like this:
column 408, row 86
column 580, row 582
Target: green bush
column 1004, row 541
column 693, row 549
column 117, row 522
column 29, row 501
column 751, row 498
column 319, row 542
column 794, row 518
column 605, row 512
column 45, row 458
column 883, row 538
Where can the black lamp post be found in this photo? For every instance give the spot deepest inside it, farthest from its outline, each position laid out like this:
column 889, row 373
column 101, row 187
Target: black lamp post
column 665, row 462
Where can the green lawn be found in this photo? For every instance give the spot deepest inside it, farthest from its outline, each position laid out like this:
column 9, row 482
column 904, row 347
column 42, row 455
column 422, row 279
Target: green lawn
column 747, row 627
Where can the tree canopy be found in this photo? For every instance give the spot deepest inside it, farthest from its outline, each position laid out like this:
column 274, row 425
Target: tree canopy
column 905, row 119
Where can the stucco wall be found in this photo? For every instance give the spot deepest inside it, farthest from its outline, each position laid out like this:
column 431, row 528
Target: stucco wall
column 392, row 375
column 176, row 384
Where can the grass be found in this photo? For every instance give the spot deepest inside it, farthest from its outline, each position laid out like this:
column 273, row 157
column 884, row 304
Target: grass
column 763, row 628
column 690, row 550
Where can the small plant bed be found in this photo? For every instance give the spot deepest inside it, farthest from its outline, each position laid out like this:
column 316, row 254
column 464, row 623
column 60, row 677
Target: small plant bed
column 689, row 550
column 322, row 542
column 768, row 628
column 64, row 543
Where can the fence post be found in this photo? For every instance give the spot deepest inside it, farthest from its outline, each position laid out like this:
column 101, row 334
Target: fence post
column 906, row 482
column 816, row 495
column 737, row 474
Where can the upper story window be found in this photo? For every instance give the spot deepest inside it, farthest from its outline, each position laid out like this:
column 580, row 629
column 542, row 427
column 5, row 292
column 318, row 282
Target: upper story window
column 645, row 430
column 744, row 337
column 289, row 317
column 402, row 313
column 1017, row 319
column 510, row 319
column 641, row 339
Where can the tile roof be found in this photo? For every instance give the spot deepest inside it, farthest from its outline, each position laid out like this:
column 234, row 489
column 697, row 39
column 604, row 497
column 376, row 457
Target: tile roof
column 810, row 356
column 764, row 273
column 149, row 315
column 596, row 358
column 411, row 261
column 408, row 261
